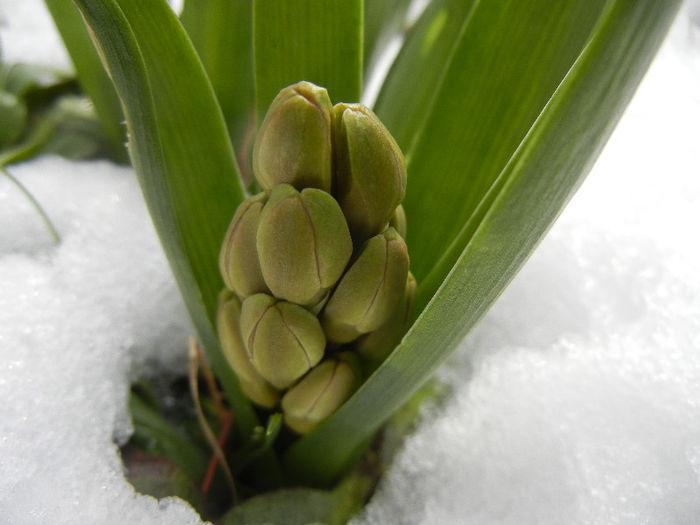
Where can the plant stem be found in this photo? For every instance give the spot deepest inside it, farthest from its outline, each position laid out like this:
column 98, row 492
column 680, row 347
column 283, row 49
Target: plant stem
column 44, row 217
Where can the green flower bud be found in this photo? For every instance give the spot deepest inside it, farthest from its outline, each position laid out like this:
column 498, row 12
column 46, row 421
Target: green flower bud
column 370, row 178
column 227, row 324
column 283, row 340
column 320, row 393
column 377, row 345
column 369, row 291
column 303, row 243
column 238, row 259
column 398, row 220
column 293, row 144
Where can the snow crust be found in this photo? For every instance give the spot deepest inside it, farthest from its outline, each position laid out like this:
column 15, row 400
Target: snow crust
column 77, row 321
column 576, row 400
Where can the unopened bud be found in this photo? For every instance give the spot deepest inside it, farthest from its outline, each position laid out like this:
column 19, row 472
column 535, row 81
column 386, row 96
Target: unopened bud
column 283, row 340
column 369, row 291
column 320, row 393
column 377, row 345
column 370, row 178
column 238, row 259
column 293, row 144
column 303, row 244
column 398, row 220
column 227, row 323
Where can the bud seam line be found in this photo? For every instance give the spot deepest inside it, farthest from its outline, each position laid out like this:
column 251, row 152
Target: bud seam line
column 320, row 395
column 253, row 332
column 313, row 235
column 303, row 348
column 379, row 287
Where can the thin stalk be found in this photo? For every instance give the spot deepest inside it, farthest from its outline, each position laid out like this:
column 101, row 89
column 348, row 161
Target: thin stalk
column 44, row 217
column 196, row 357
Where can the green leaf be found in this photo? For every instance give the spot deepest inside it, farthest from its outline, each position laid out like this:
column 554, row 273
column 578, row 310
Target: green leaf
column 404, row 106
column 263, row 441
column 542, row 174
column 302, row 506
column 506, row 62
column 289, row 506
column 221, row 32
column 91, row 74
column 34, row 203
column 30, row 81
column 68, row 127
column 319, row 41
column 182, row 155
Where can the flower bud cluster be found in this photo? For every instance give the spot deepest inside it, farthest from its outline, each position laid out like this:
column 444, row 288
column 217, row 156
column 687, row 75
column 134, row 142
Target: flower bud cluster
column 315, row 265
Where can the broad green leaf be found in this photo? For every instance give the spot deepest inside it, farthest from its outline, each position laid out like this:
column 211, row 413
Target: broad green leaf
column 403, row 104
column 91, row 74
column 459, row 132
column 318, row 41
column 539, row 178
column 181, row 152
column 221, row 32
column 302, row 506
column 289, row 506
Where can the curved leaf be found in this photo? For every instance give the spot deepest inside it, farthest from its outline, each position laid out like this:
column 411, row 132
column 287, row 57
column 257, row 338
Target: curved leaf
column 181, row 152
column 91, row 75
column 301, row 506
column 459, row 132
column 221, row 32
column 538, row 180
column 403, row 105
column 289, row 506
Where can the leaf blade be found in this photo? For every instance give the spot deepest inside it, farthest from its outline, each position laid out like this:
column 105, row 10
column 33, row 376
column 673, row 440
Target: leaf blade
column 319, row 41
column 618, row 53
column 506, row 61
column 183, row 158
column 91, row 74
column 221, row 32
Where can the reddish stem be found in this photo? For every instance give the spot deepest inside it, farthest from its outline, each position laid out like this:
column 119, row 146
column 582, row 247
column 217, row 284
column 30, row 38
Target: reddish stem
column 226, row 424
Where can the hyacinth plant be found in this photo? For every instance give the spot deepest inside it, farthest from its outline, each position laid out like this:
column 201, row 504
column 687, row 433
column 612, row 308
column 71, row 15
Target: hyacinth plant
column 275, row 207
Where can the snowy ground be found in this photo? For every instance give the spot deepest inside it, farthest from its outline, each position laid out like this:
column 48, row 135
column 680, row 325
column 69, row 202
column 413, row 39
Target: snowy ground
column 576, row 400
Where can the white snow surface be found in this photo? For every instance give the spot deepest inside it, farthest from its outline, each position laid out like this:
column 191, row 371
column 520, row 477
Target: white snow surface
column 27, row 34
column 77, row 321
column 576, row 399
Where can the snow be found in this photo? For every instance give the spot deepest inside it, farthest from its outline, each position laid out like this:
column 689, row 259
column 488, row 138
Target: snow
column 576, row 399
column 77, row 321
column 27, row 34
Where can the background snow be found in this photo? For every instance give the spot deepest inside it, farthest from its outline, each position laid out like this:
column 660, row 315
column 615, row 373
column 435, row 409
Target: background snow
column 75, row 320
column 27, row 34
column 576, row 400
